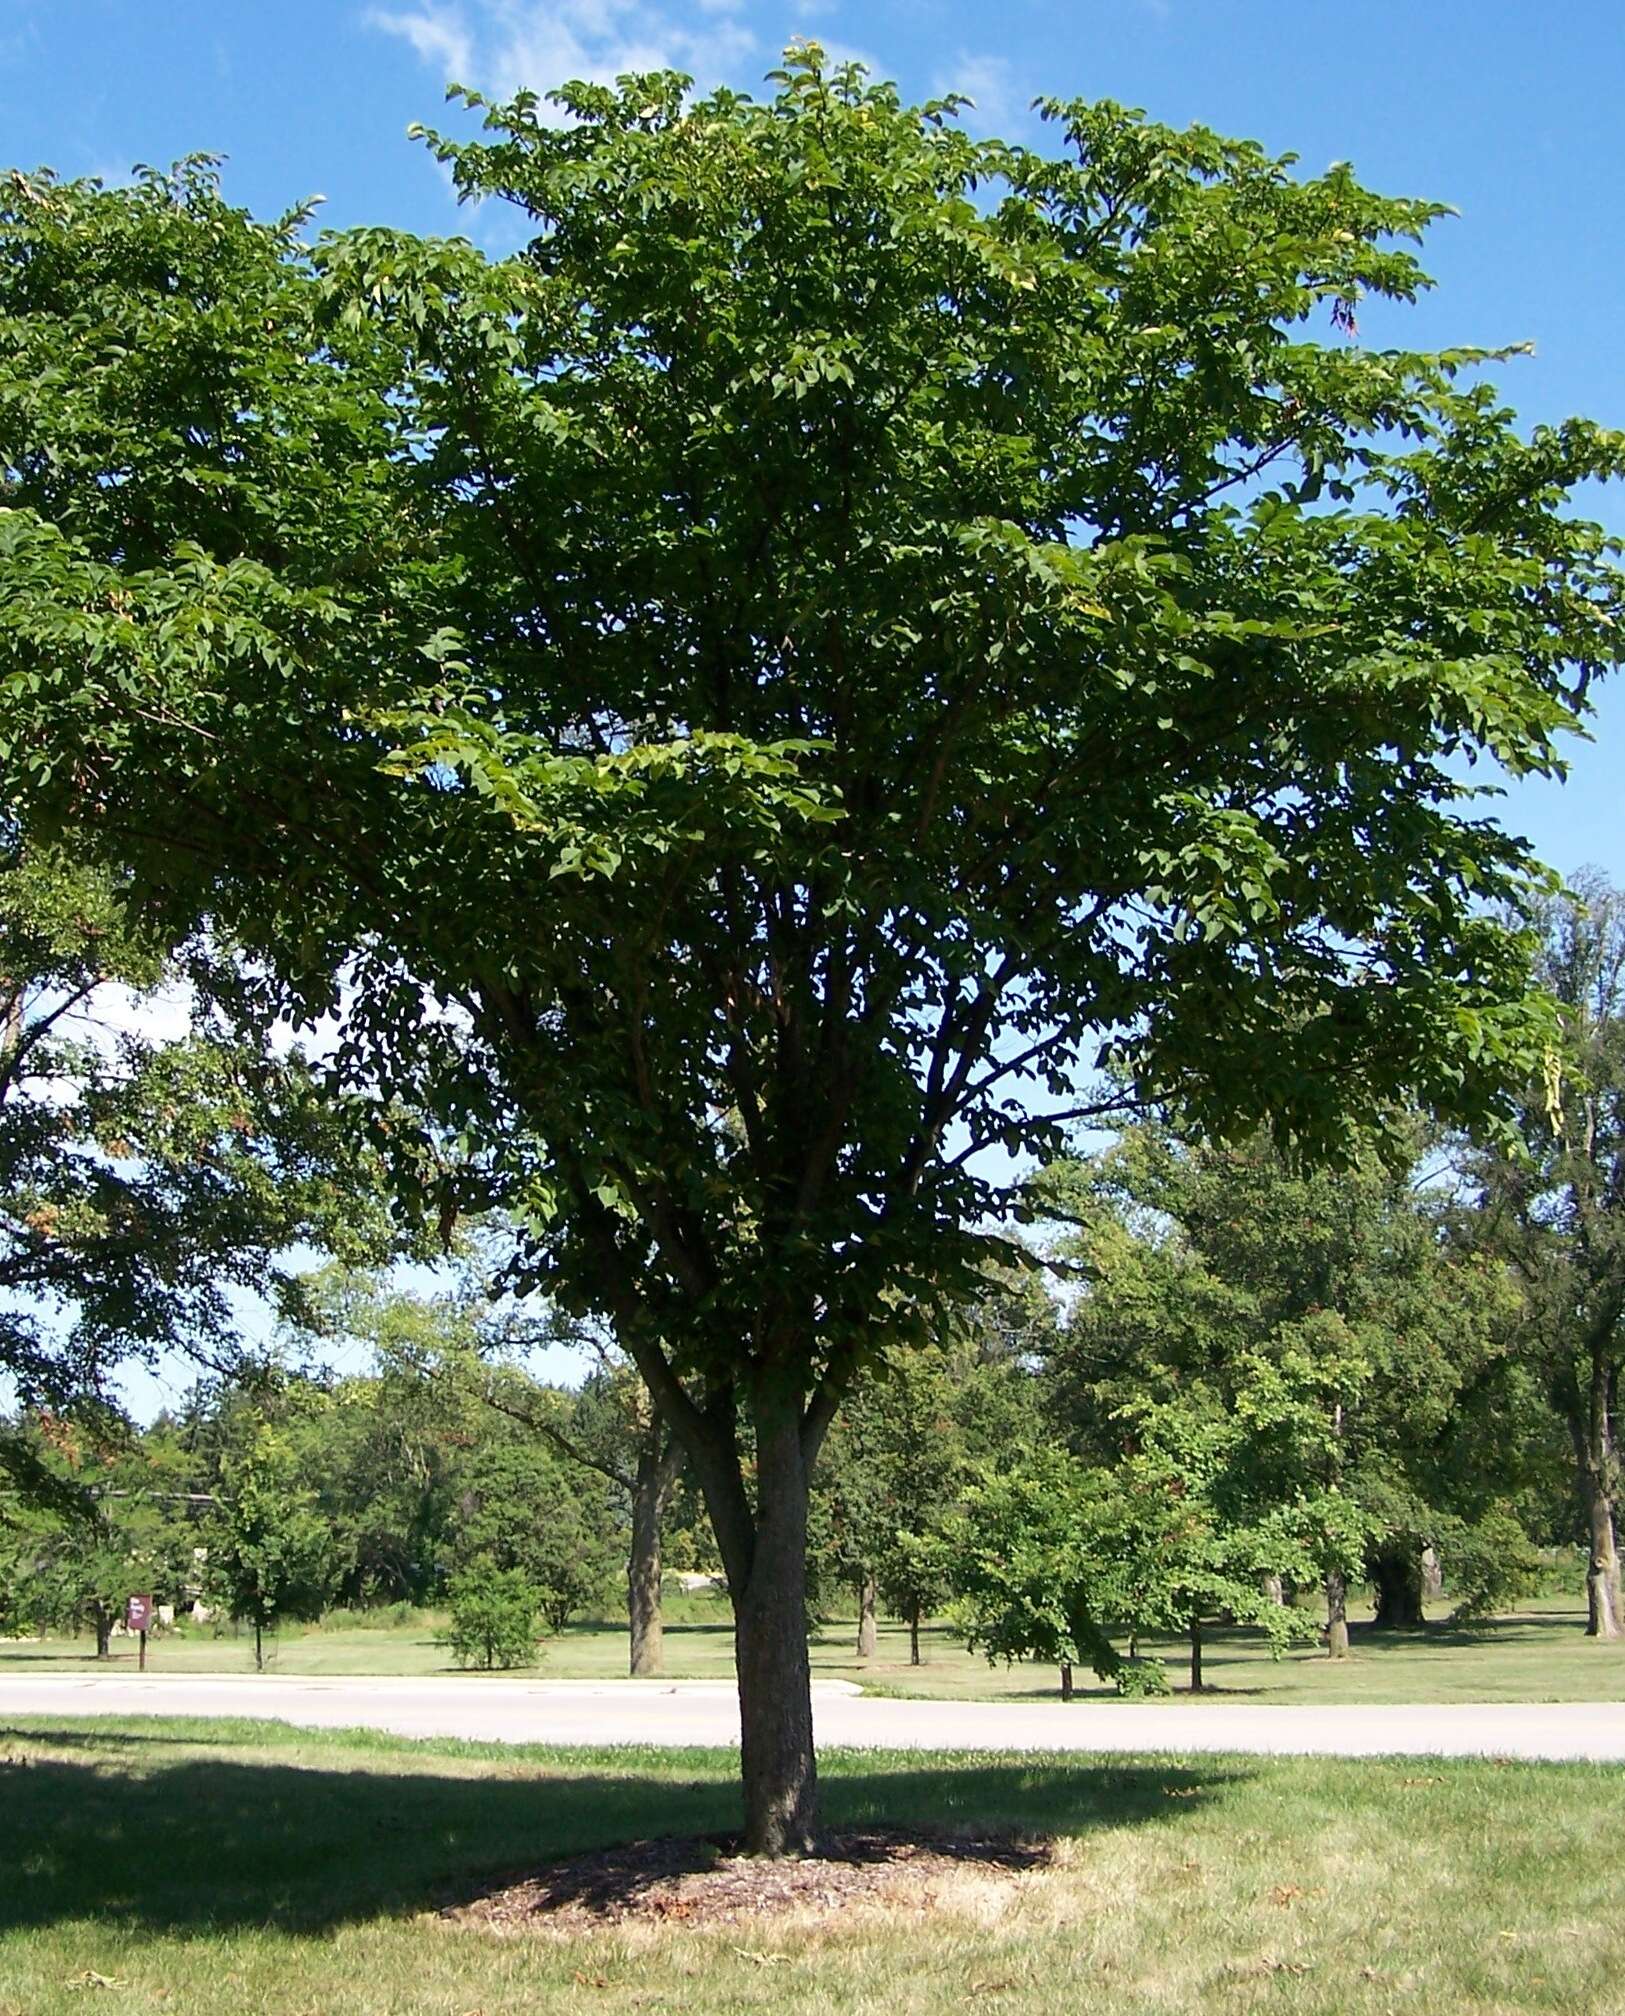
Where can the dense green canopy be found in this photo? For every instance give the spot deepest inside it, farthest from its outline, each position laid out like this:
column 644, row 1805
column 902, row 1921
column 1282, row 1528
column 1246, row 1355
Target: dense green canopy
column 744, row 704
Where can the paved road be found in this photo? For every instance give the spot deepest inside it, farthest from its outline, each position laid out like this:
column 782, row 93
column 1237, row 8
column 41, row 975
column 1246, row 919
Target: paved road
column 696, row 1713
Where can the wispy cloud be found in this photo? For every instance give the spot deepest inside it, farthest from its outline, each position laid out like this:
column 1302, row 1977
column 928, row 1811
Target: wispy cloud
column 437, row 34
column 503, row 46
column 1001, row 103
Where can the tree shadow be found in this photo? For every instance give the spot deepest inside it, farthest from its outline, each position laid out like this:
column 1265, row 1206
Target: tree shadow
column 10, row 1658
column 121, row 1834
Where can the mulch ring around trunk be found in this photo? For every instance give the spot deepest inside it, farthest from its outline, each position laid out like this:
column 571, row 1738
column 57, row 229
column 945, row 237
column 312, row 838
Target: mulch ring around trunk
column 699, row 1882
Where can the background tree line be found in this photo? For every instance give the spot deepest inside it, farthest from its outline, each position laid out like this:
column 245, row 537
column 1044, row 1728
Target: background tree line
column 1264, row 1387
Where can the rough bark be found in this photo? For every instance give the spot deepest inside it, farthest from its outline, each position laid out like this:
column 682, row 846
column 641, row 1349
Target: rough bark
column 1593, row 1423
column 1432, row 1576
column 657, row 1471
column 1066, row 1681
column 1605, row 1614
column 259, row 1647
column 1396, row 1578
column 777, row 1767
column 1273, row 1589
column 914, row 1635
column 1337, row 1615
column 1196, row 1655
column 103, row 1619
column 868, row 1631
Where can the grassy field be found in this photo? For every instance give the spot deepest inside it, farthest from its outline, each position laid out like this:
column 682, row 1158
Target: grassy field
column 1541, row 1654
column 196, row 1869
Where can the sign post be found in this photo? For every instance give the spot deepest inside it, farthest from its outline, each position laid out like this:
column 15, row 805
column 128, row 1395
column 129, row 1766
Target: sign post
column 137, row 1617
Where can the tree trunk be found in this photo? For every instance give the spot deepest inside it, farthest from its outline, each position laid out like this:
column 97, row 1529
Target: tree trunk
column 1273, row 1591
column 651, row 1486
column 1432, row 1576
column 1337, row 1588
column 1066, row 1681
column 259, row 1647
column 1604, row 1615
column 777, row 1766
column 1396, row 1576
column 868, row 1634
column 1337, row 1615
column 103, row 1619
column 914, row 1634
column 1196, row 1655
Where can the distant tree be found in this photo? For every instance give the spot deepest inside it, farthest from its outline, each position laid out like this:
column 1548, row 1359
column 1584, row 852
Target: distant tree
column 522, row 1506
column 495, row 1616
column 1343, row 1295
column 614, row 1429
column 1559, row 1217
column 894, row 1470
column 88, row 1520
column 1029, row 1570
column 1192, row 1525
column 387, row 1450
column 611, row 1433
column 270, row 1554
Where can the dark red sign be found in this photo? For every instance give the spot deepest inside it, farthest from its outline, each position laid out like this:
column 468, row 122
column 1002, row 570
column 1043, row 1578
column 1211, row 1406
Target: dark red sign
column 138, row 1613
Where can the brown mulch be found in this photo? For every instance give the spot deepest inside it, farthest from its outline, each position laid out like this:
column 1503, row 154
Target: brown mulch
column 706, row 1881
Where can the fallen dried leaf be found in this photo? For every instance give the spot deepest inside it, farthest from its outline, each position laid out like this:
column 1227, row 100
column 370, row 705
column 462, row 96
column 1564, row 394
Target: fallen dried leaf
column 590, row 1980
column 762, row 1959
column 91, row 1979
column 1283, row 1893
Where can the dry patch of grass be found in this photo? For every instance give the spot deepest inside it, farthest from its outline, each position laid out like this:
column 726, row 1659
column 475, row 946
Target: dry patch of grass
column 703, row 1883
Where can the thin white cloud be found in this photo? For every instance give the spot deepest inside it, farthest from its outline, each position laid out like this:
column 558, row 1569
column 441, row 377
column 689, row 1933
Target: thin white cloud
column 844, row 52
column 503, row 46
column 439, row 36
column 1001, row 104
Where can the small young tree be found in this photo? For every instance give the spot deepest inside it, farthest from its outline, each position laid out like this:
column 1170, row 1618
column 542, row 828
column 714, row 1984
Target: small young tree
column 1334, row 1313
column 270, row 1556
column 1187, row 1535
column 1029, row 1570
column 495, row 1616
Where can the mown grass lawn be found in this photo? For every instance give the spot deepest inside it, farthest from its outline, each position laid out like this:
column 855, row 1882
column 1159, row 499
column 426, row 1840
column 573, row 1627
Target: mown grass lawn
column 191, row 1867
column 1540, row 1654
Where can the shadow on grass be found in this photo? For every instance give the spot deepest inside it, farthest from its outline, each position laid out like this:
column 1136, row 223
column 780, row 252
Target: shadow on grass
column 127, row 1838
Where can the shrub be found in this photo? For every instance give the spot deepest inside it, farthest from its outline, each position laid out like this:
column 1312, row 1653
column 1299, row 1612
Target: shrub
column 494, row 1617
column 1489, row 1565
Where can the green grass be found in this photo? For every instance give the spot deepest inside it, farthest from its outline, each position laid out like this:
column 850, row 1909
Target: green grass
column 1541, row 1654
column 228, row 1869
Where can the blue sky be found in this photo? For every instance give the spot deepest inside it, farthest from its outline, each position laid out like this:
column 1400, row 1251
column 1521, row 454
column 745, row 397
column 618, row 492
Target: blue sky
column 1509, row 112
